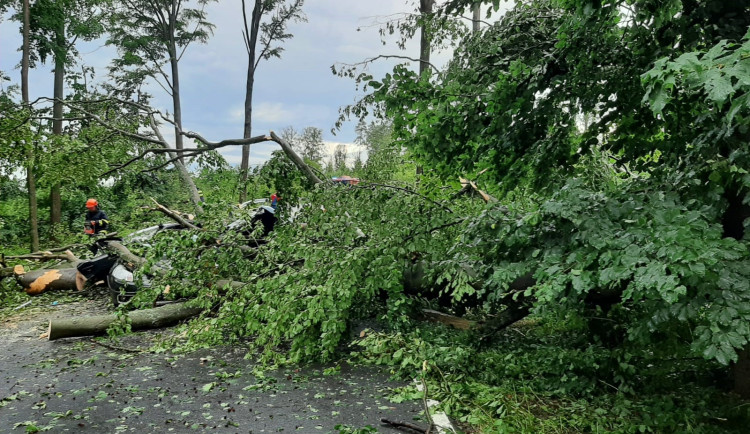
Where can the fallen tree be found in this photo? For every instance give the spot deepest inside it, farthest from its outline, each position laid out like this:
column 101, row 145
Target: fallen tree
column 139, row 320
column 38, row 281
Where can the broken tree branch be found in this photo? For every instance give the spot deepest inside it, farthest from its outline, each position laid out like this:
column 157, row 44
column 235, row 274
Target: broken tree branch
column 367, row 184
column 397, row 425
column 43, row 256
column 133, row 261
column 46, row 256
column 188, row 152
column 174, row 215
column 364, row 63
column 471, row 186
column 296, row 159
column 450, row 320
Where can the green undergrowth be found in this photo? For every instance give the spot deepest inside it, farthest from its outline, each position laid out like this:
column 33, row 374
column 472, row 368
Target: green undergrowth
column 544, row 376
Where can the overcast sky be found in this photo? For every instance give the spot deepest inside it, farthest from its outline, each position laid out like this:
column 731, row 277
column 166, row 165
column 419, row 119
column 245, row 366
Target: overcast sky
column 298, row 89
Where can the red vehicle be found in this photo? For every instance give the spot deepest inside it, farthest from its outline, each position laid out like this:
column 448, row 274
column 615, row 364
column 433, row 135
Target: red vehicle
column 346, row 180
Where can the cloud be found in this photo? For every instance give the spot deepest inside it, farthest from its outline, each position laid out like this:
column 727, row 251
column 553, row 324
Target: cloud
column 272, row 113
column 297, row 89
column 351, row 149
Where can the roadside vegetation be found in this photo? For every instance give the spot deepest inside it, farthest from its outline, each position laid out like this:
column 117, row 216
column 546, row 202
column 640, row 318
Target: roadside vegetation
column 572, row 188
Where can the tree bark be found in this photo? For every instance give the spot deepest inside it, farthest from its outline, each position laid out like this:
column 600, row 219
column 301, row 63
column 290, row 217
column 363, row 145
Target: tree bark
column 733, row 223
column 57, row 123
column 139, row 320
column 7, row 272
column 30, row 179
column 173, row 215
column 248, row 127
column 195, row 196
column 39, row 281
column 425, row 9
column 449, row 320
column 133, row 261
column 741, row 373
column 476, row 17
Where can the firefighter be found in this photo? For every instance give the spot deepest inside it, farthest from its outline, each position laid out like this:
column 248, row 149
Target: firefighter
column 96, row 220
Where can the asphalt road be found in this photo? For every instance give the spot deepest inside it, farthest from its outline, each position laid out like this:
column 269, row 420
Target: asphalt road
column 76, row 385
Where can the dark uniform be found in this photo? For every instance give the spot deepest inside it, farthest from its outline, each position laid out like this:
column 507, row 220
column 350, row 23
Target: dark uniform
column 96, row 222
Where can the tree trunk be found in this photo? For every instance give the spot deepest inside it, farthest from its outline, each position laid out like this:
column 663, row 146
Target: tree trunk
column 476, row 17
column 195, row 196
column 39, row 281
column 296, row 159
column 30, row 179
column 25, row 52
column 57, row 123
column 7, row 272
column 139, row 319
column 248, row 128
column 741, row 373
column 425, row 9
column 733, row 223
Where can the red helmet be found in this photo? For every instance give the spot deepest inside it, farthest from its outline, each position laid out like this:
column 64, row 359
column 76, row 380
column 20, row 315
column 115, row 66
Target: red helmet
column 92, row 204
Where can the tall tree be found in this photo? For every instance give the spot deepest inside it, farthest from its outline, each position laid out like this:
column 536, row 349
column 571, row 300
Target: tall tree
column 152, row 36
column 311, row 144
column 55, row 28
column 425, row 10
column 30, row 180
column 339, row 158
column 291, row 136
column 475, row 17
column 278, row 13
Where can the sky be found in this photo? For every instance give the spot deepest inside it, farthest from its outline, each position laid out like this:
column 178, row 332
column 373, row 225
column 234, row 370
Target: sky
column 296, row 90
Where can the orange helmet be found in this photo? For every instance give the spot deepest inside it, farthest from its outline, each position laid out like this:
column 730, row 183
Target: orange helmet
column 91, row 204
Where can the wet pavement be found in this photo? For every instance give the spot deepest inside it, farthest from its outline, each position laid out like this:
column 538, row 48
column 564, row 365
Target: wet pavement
column 76, row 385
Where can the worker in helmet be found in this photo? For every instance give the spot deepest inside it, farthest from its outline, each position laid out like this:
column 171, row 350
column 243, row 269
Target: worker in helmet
column 96, row 220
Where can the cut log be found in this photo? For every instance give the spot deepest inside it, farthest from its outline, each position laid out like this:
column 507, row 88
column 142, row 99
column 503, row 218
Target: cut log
column 7, row 272
column 38, row 281
column 139, row 320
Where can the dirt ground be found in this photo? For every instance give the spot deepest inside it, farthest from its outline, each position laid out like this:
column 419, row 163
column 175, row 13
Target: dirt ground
column 78, row 384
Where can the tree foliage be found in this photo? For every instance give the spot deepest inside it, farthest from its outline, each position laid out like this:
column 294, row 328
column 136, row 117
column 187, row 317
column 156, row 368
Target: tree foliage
column 149, row 34
column 525, row 101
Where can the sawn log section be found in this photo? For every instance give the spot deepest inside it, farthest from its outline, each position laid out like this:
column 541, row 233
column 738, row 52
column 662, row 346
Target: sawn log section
column 139, row 319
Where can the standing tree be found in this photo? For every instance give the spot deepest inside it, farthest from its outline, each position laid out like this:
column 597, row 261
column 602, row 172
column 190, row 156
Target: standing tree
column 55, row 27
column 475, row 17
column 151, row 35
column 271, row 32
column 291, row 136
column 425, row 11
column 311, row 144
column 31, row 181
column 339, row 158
